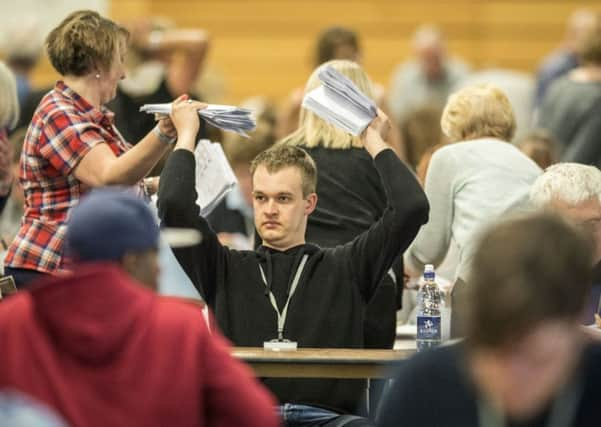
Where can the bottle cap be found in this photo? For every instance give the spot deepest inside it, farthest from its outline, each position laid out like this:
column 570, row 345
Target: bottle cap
column 429, row 271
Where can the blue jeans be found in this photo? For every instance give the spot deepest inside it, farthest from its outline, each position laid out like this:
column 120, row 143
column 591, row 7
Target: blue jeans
column 304, row 415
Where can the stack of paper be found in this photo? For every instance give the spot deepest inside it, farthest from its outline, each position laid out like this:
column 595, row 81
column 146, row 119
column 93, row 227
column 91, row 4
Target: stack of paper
column 226, row 117
column 339, row 102
column 214, row 176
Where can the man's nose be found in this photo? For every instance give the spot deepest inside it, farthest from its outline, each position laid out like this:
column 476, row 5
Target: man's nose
column 271, row 208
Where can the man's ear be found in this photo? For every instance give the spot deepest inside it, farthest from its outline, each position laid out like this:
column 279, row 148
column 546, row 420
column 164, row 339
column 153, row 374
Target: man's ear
column 311, row 203
column 128, row 262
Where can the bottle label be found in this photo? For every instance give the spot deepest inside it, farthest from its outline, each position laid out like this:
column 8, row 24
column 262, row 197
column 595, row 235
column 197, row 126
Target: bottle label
column 428, row 328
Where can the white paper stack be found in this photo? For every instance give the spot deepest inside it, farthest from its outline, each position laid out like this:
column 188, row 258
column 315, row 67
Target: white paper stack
column 214, row 175
column 226, row 117
column 339, row 102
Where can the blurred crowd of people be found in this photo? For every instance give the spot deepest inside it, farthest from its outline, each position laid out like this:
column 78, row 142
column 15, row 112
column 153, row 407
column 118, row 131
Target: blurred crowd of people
column 490, row 174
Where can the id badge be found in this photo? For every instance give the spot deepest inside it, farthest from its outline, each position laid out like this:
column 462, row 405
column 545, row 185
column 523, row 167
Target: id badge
column 280, row 345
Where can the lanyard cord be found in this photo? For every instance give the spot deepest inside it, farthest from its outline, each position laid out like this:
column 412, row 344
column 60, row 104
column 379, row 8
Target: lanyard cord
column 282, row 315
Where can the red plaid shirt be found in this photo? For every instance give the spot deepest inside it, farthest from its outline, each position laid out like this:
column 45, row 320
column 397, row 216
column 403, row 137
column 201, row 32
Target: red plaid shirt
column 63, row 129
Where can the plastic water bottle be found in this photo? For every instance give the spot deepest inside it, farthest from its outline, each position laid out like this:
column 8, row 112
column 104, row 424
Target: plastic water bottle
column 428, row 314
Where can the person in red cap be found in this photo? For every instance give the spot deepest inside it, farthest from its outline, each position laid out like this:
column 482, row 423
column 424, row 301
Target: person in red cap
column 102, row 350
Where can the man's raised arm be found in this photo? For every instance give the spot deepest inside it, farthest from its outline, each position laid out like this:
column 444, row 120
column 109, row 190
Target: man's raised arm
column 373, row 252
column 177, row 208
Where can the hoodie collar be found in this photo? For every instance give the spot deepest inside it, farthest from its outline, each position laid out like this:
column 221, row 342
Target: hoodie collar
column 91, row 314
column 305, row 248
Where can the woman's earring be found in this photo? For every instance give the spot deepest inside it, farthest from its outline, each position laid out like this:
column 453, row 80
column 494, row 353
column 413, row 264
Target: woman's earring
column 97, row 76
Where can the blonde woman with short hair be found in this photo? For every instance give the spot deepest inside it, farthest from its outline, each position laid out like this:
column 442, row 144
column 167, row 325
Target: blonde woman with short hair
column 72, row 144
column 482, row 111
column 476, row 180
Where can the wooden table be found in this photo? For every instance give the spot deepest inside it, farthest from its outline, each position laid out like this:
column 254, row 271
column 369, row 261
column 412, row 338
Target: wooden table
column 322, row 362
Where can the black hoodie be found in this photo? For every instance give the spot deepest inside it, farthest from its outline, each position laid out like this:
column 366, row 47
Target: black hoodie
column 327, row 308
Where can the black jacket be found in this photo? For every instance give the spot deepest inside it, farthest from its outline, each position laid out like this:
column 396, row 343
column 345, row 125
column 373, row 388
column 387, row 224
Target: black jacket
column 327, row 307
column 351, row 199
column 435, row 389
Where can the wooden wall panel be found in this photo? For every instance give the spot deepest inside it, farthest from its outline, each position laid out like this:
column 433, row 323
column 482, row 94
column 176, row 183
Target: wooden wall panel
column 265, row 46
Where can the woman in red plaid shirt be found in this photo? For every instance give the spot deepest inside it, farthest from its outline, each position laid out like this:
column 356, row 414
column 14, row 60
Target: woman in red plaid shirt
column 71, row 144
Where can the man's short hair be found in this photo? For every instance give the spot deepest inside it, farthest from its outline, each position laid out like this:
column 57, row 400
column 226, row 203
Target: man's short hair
column 480, row 111
column 282, row 156
column 571, row 183
column 526, row 271
column 83, row 41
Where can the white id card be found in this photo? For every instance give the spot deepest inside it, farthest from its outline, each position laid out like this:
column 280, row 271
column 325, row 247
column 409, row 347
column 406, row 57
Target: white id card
column 280, row 345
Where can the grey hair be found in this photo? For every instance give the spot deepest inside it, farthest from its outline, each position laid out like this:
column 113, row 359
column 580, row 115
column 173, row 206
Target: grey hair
column 427, row 36
column 571, row 183
column 9, row 103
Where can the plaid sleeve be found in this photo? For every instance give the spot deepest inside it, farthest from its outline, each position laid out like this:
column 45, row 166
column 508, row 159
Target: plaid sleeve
column 67, row 138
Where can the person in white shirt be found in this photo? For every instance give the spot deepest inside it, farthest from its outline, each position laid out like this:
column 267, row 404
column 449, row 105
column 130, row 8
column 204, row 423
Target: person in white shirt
column 471, row 183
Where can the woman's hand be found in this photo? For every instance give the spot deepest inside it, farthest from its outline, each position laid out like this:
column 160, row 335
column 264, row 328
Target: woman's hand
column 166, row 126
column 184, row 116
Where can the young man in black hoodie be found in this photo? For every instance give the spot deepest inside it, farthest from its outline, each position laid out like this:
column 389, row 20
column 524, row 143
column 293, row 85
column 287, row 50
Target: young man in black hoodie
column 287, row 288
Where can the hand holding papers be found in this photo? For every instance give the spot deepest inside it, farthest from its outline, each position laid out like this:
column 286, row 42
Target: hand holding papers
column 214, row 176
column 339, row 102
column 224, row 117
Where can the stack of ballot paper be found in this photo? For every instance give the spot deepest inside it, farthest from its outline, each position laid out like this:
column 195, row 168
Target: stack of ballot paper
column 339, row 102
column 214, row 175
column 226, row 117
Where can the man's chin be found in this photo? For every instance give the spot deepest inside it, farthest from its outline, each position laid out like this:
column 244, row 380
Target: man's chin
column 271, row 237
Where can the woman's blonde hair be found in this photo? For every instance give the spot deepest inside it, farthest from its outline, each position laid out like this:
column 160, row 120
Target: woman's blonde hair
column 9, row 103
column 313, row 131
column 83, row 42
column 478, row 112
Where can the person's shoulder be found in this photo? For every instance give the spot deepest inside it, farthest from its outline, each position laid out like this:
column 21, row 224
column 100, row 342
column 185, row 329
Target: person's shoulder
column 448, row 152
column 406, row 70
column 562, row 84
column 435, row 375
column 342, row 156
column 591, row 374
column 17, row 305
column 592, row 356
column 457, row 67
column 441, row 362
column 556, row 62
column 180, row 313
column 17, row 315
column 56, row 107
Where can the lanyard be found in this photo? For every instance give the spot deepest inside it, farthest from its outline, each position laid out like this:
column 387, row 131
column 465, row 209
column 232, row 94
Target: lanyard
column 284, row 313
